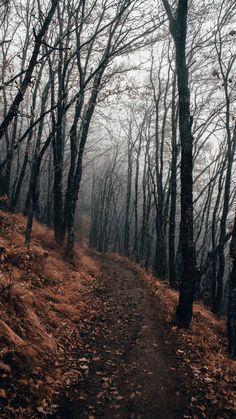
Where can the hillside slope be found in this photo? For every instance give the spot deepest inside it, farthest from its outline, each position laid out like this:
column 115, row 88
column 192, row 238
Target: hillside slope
column 64, row 325
column 42, row 298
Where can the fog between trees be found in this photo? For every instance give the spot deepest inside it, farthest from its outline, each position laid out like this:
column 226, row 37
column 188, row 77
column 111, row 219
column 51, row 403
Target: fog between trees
column 97, row 127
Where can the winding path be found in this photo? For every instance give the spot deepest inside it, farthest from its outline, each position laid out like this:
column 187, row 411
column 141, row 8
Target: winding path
column 129, row 367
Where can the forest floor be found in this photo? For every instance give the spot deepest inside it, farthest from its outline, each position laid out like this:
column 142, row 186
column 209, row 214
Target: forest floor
column 95, row 338
column 136, row 364
column 130, row 364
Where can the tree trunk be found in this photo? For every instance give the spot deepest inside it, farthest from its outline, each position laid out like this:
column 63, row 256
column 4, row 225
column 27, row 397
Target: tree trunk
column 231, row 322
column 136, row 186
column 127, row 205
column 16, row 194
column 178, row 28
column 226, row 204
column 173, row 190
column 74, row 184
column 34, row 190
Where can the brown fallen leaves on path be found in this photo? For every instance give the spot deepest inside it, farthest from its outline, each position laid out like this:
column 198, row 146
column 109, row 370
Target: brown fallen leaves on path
column 124, row 355
column 134, row 363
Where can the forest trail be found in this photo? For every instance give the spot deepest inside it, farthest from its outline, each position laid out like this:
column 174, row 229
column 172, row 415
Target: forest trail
column 93, row 337
column 129, row 364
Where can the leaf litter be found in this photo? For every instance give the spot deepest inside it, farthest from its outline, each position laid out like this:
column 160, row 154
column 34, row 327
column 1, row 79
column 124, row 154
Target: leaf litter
column 68, row 330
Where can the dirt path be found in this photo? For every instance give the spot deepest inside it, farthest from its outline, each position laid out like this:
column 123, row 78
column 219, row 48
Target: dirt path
column 128, row 364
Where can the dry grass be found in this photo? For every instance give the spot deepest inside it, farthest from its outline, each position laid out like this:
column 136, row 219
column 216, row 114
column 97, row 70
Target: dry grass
column 42, row 298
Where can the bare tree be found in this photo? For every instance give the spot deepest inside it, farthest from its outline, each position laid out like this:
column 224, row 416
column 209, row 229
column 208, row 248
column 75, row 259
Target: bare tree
column 178, row 29
column 28, row 74
column 231, row 324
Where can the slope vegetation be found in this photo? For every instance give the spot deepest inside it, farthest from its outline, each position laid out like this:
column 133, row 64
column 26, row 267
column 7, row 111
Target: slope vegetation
column 42, row 298
column 95, row 337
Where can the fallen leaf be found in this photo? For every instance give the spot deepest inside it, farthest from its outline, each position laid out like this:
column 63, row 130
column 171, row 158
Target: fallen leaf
column 40, row 409
column 3, row 393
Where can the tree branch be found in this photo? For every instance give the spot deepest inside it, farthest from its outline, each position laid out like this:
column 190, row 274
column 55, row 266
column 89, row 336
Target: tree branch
column 27, row 79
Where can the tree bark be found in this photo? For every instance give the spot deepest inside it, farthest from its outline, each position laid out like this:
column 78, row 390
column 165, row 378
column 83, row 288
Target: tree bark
column 74, row 185
column 231, row 322
column 178, row 29
column 173, row 190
